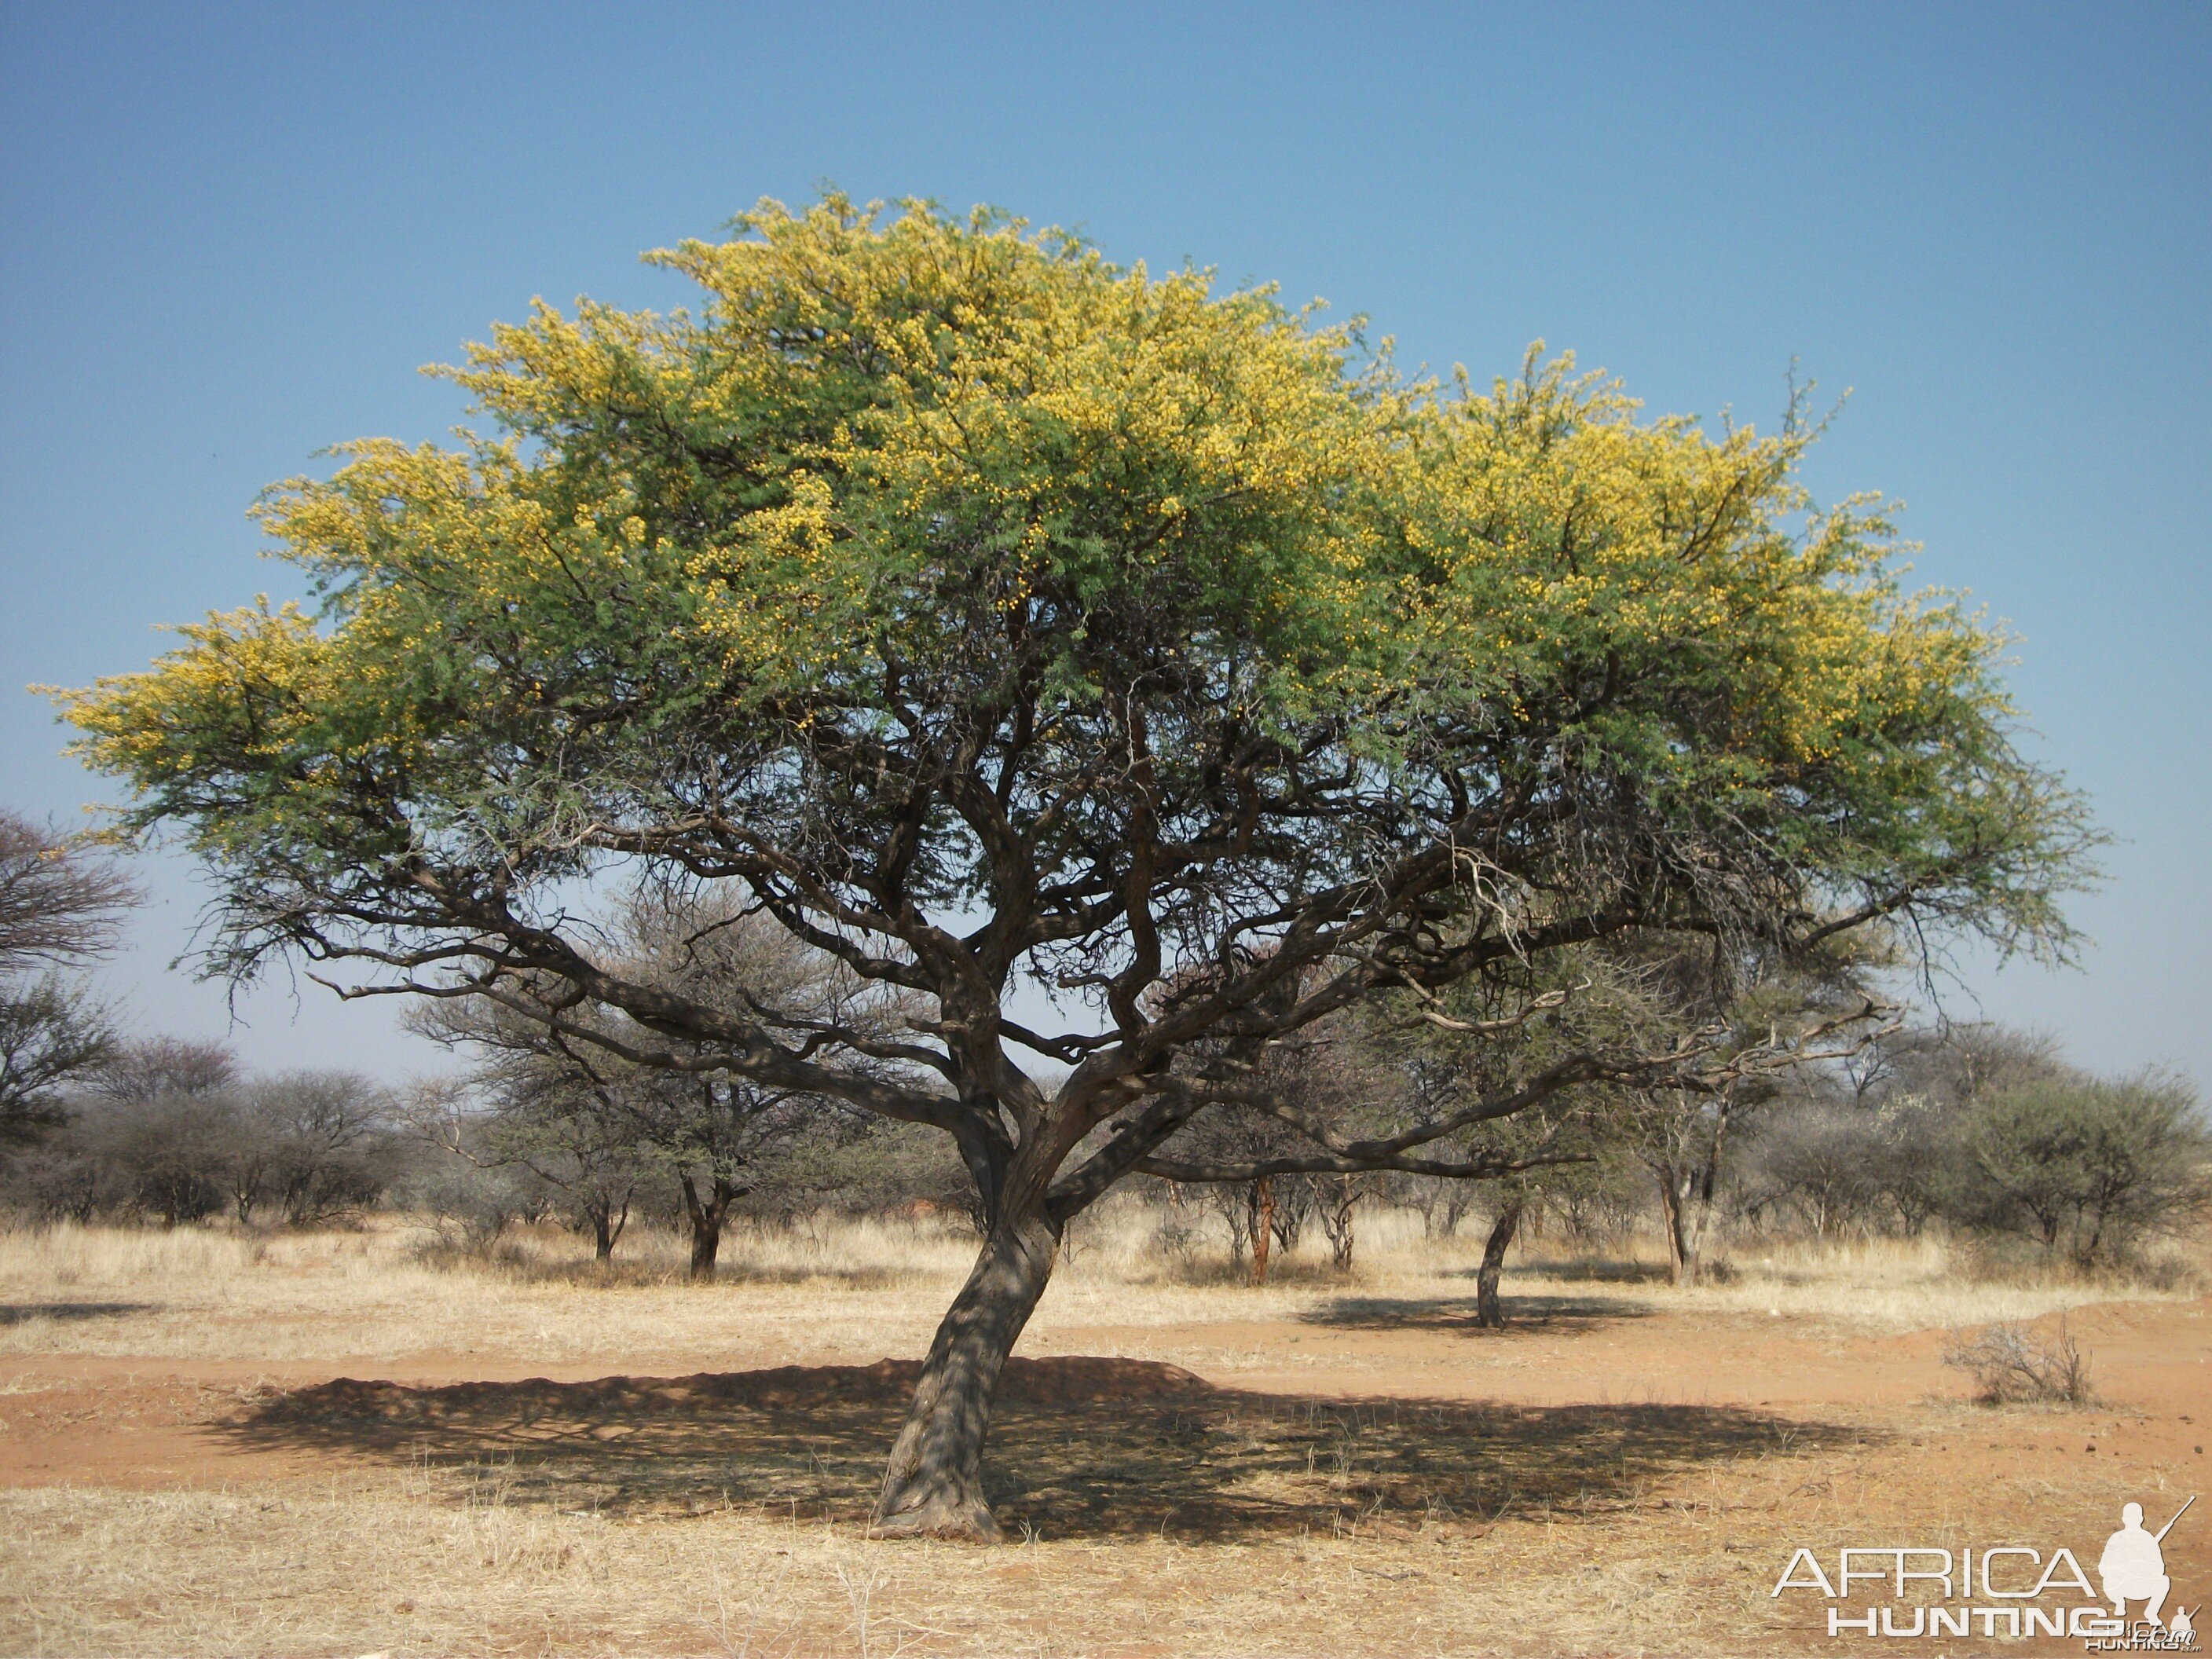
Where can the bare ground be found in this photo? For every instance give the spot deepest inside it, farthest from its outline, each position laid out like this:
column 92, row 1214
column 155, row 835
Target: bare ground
column 327, row 1448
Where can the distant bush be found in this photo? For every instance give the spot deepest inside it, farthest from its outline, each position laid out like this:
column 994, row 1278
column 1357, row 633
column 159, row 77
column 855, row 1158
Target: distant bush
column 845, row 1166
column 469, row 1205
column 170, row 1132
column 2087, row 1170
column 1990, row 1133
column 2010, row 1366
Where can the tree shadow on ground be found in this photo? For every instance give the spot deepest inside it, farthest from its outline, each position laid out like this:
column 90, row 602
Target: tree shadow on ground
column 1079, row 1447
column 1558, row 1314
column 22, row 1313
column 1599, row 1269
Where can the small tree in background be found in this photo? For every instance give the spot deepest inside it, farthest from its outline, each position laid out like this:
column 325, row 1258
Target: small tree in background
column 566, row 1103
column 162, row 1120
column 560, row 1133
column 1829, row 1164
column 1333, row 1074
column 59, row 910
column 324, row 1143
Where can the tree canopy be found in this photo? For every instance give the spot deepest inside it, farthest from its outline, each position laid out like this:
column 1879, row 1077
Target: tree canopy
column 980, row 609
column 58, row 910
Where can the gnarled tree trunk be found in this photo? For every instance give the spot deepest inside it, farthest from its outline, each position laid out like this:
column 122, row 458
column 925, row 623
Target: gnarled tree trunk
column 707, row 1213
column 608, row 1220
column 1262, row 1202
column 1680, row 1257
column 935, row 1483
column 1336, row 1219
column 1488, row 1310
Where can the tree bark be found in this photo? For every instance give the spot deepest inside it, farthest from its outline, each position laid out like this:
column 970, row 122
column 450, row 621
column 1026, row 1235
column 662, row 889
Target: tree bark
column 706, row 1216
column 1680, row 1261
column 1263, row 1227
column 607, row 1225
column 1489, row 1311
column 934, row 1482
column 1337, row 1221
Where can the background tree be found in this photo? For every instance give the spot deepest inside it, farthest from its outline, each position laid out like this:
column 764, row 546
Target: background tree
column 569, row 1105
column 148, row 1134
column 59, row 909
column 1331, row 1072
column 325, row 1144
column 1478, row 1041
column 982, row 612
column 161, row 1123
column 170, row 1131
column 2086, row 1168
column 1733, row 1003
column 529, row 1112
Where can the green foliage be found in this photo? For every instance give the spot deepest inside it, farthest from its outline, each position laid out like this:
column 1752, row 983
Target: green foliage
column 940, row 467
column 2086, row 1168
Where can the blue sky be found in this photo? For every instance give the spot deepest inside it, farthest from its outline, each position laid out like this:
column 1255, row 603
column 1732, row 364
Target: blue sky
column 229, row 235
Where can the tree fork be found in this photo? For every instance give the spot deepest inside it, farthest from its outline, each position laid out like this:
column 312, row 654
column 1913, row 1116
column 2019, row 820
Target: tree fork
column 706, row 1217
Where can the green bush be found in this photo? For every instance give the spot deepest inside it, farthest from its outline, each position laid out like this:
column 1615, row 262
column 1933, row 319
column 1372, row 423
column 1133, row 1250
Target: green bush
column 2087, row 1170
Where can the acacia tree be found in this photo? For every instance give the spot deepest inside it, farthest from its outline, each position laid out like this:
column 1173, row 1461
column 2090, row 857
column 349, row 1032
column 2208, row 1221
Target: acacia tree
column 519, row 1111
column 586, row 1119
column 58, row 911
column 1460, row 1047
column 983, row 610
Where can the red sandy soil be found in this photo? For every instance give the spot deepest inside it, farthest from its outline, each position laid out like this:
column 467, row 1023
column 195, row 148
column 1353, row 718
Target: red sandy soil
column 92, row 1420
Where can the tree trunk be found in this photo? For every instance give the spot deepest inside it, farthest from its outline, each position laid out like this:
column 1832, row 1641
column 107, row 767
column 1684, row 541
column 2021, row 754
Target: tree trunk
column 1336, row 1220
column 934, row 1482
column 706, row 1216
column 1263, row 1227
column 1457, row 1203
column 1680, row 1261
column 607, row 1224
column 1488, row 1311
column 1697, row 1219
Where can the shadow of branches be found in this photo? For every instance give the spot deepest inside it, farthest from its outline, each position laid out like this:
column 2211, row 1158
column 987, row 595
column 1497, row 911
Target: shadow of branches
column 1559, row 1315
column 1079, row 1447
column 22, row 1313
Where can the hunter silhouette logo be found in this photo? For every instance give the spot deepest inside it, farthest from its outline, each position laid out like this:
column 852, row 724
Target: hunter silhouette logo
column 2134, row 1567
column 2009, row 1590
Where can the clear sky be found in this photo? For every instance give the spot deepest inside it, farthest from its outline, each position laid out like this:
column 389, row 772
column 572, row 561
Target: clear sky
column 229, row 234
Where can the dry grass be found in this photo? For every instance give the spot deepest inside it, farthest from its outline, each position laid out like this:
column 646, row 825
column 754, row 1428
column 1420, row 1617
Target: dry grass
column 432, row 1564
column 429, row 1560
column 825, row 1292
column 572, row 1518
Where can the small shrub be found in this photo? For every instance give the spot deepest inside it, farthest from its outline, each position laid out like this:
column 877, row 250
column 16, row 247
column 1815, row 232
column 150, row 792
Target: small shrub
column 2010, row 1366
